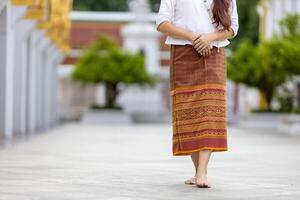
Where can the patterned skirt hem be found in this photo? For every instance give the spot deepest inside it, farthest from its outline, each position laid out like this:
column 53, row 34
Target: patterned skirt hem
column 185, row 153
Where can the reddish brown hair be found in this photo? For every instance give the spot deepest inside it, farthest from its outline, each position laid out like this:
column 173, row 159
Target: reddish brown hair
column 221, row 13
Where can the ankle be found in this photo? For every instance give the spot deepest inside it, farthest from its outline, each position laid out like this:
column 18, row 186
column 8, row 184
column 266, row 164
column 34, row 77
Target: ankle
column 201, row 168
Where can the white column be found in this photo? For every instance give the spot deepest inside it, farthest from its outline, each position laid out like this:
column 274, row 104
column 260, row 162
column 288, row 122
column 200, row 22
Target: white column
column 58, row 58
column 9, row 73
column 45, row 47
column 270, row 20
column 27, row 75
column 298, row 7
column 279, row 14
column 40, row 88
column 51, row 53
column 16, row 56
column 3, row 18
column 2, row 4
column 11, row 76
column 34, row 40
column 17, row 53
column 288, row 6
column 22, row 52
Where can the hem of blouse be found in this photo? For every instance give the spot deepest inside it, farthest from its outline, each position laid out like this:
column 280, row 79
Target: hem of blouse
column 185, row 43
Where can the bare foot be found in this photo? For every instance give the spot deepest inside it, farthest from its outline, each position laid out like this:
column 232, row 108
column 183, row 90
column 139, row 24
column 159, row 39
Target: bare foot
column 191, row 181
column 201, row 179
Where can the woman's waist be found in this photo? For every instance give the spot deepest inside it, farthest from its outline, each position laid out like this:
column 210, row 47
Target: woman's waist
column 175, row 41
column 214, row 48
column 188, row 53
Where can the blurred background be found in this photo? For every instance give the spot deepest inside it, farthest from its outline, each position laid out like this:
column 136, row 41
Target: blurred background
column 52, row 73
column 85, row 105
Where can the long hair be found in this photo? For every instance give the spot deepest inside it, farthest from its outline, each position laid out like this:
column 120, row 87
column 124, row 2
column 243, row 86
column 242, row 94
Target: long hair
column 221, row 13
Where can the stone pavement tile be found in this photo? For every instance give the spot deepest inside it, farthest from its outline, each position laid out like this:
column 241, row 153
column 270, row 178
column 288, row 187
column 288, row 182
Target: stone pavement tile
column 135, row 162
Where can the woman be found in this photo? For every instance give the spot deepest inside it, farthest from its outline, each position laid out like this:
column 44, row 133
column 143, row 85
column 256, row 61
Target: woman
column 198, row 31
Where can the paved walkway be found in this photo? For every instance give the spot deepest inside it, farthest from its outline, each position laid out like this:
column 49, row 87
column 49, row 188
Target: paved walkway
column 131, row 163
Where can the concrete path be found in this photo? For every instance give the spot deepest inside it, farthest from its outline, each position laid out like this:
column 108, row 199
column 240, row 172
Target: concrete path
column 85, row 162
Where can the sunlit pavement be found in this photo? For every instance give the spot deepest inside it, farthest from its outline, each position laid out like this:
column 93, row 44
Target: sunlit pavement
column 135, row 162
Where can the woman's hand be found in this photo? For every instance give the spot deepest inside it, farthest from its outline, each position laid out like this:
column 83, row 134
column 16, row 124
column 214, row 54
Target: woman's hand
column 202, row 44
column 176, row 32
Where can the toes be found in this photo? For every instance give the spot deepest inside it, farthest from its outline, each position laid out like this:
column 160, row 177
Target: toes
column 191, row 181
column 202, row 185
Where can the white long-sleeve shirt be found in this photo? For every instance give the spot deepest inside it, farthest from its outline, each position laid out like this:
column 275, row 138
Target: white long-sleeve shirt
column 195, row 16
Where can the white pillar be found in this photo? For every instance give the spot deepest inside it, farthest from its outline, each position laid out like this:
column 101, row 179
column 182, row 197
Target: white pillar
column 40, row 88
column 297, row 7
column 270, row 25
column 288, row 5
column 34, row 40
column 50, row 82
column 46, row 51
column 2, row 5
column 9, row 73
column 22, row 52
column 16, row 56
column 58, row 58
column 27, row 74
column 13, row 16
column 3, row 17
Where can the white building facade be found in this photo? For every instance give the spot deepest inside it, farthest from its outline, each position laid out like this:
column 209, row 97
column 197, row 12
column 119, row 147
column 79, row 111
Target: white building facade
column 28, row 60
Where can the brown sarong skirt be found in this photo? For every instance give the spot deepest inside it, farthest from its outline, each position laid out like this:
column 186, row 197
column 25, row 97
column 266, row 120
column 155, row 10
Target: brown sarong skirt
column 198, row 100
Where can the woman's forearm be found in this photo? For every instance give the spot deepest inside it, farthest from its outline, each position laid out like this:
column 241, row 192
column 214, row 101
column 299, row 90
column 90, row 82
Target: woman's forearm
column 207, row 40
column 169, row 29
column 222, row 35
column 175, row 32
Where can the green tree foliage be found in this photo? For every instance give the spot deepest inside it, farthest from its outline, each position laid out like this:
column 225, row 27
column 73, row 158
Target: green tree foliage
column 290, row 26
column 269, row 64
column 155, row 5
column 108, row 5
column 105, row 63
column 100, row 5
column 248, row 22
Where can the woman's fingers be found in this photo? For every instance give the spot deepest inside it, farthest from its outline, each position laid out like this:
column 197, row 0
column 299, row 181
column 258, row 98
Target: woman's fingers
column 208, row 51
column 198, row 42
column 195, row 40
column 202, row 47
column 205, row 52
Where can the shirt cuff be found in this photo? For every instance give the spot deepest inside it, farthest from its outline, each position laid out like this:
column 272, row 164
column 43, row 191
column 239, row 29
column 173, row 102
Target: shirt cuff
column 215, row 44
column 161, row 20
column 235, row 31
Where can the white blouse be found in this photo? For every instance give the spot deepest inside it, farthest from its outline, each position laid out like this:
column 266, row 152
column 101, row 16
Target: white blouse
column 195, row 16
